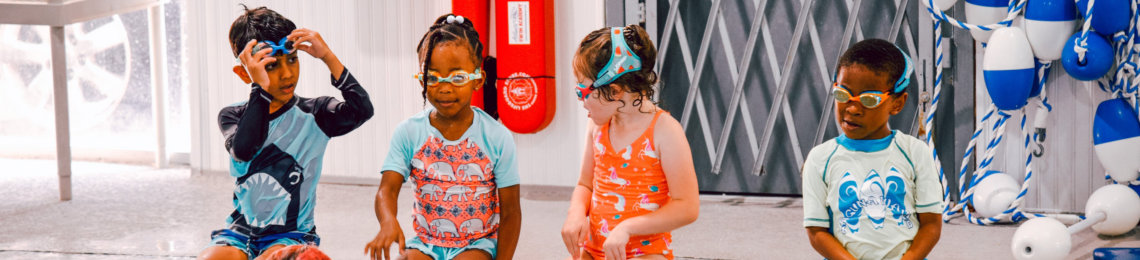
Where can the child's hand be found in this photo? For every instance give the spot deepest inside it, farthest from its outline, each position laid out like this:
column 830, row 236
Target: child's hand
column 575, row 233
column 614, row 247
column 255, row 63
column 316, row 45
column 389, row 233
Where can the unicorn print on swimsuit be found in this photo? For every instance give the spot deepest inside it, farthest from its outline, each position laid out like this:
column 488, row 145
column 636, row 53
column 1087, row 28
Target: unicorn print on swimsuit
column 604, row 228
column 637, row 252
column 648, row 150
column 617, row 180
column 644, row 203
column 620, row 204
column 875, row 198
column 640, row 162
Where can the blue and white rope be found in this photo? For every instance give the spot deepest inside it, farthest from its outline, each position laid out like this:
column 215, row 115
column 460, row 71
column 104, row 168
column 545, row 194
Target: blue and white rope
column 965, row 193
column 1083, row 40
column 1013, row 11
column 1013, row 211
column 1125, row 80
column 951, row 208
column 928, row 122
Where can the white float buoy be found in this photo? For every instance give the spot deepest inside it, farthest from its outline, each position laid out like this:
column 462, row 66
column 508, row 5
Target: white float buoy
column 994, row 193
column 985, row 12
column 1120, row 206
column 1048, row 23
column 1111, row 210
column 1041, row 239
column 1008, row 68
column 1116, row 139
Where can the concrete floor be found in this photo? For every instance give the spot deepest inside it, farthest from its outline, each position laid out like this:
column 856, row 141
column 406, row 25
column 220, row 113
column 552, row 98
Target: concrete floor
column 136, row 212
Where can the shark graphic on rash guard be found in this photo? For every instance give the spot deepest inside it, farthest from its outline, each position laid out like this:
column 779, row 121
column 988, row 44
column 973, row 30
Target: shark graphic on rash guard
column 265, row 199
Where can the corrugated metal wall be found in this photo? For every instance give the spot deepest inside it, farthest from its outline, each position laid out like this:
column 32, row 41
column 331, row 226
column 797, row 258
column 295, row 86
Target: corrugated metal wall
column 376, row 41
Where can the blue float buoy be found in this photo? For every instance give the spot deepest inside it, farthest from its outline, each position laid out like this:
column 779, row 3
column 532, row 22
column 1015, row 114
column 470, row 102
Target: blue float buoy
column 1008, row 68
column 1048, row 23
column 1116, row 139
column 985, row 12
column 1098, row 57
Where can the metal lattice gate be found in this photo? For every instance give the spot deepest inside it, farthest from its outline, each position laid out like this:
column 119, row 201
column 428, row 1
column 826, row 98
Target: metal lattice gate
column 754, row 52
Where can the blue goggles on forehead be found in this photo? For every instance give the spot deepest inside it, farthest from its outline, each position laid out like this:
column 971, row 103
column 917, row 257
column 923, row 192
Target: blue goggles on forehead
column 622, row 61
column 282, row 47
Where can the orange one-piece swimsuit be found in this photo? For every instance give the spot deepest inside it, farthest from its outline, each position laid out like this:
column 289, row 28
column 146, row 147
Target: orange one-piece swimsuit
column 628, row 182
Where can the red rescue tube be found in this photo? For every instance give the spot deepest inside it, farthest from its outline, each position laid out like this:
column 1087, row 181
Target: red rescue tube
column 524, row 42
column 479, row 12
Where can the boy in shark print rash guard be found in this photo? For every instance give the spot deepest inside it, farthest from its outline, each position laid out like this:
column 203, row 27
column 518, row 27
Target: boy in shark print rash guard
column 872, row 192
column 276, row 140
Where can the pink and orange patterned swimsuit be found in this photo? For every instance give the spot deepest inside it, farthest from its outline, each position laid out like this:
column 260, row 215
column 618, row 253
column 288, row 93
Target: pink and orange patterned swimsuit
column 457, row 201
column 628, row 182
column 456, row 182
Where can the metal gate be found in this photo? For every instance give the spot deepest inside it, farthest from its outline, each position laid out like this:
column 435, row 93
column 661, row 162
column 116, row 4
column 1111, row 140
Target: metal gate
column 724, row 64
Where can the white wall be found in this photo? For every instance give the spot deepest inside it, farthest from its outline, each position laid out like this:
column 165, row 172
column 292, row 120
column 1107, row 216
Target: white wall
column 1068, row 172
column 376, row 41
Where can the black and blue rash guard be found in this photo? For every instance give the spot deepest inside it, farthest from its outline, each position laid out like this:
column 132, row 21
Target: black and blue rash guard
column 276, row 157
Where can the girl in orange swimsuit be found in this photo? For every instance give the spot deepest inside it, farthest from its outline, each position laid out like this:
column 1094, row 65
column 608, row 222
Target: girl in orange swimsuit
column 637, row 182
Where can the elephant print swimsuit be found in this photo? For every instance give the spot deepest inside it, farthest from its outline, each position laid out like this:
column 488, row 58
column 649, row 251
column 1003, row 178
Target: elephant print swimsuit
column 455, row 202
column 456, row 182
column 628, row 182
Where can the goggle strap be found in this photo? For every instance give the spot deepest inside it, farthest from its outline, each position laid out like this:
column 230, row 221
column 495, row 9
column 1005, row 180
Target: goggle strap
column 622, row 59
column 904, row 79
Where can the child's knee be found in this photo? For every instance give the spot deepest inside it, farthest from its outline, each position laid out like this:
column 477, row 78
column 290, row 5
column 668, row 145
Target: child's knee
column 269, row 251
column 473, row 254
column 222, row 253
column 415, row 254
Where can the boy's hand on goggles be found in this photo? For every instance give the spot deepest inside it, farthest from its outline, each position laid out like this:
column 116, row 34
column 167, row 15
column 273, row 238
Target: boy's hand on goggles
column 255, row 62
column 316, row 45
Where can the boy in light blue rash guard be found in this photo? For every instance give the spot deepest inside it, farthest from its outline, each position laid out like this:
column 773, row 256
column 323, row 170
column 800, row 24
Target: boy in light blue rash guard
column 872, row 192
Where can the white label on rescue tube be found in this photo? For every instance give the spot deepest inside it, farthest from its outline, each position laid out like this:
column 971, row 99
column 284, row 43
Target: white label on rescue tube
column 518, row 22
column 520, row 91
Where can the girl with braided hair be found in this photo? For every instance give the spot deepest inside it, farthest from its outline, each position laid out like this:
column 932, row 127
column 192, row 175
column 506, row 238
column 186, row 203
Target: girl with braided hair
column 460, row 160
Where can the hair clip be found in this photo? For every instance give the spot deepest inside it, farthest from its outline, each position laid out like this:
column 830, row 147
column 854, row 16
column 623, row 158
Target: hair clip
column 455, row 19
